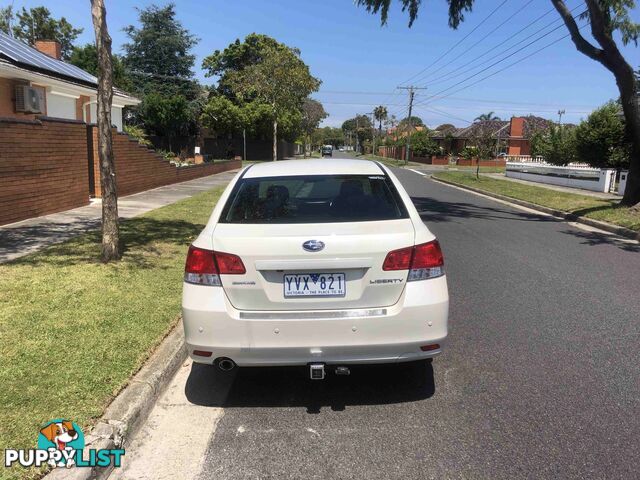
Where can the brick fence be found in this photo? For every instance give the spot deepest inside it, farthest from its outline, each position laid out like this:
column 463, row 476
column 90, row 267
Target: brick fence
column 139, row 168
column 43, row 167
column 50, row 165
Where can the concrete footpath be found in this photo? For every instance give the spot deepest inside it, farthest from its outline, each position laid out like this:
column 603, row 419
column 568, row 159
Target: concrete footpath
column 28, row 236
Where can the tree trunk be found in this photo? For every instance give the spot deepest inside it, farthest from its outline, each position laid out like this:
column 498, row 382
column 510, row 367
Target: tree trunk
column 631, row 109
column 275, row 140
column 110, row 228
column 611, row 58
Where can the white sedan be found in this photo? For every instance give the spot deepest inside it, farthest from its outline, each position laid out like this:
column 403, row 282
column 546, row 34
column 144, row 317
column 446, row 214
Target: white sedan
column 323, row 263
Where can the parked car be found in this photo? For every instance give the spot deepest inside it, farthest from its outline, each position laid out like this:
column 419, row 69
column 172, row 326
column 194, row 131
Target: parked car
column 341, row 149
column 327, row 150
column 314, row 262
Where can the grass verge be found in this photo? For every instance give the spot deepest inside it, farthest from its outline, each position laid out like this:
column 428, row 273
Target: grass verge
column 73, row 330
column 584, row 205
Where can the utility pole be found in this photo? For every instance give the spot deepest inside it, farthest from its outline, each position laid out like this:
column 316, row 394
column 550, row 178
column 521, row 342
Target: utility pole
column 560, row 113
column 357, row 136
column 412, row 93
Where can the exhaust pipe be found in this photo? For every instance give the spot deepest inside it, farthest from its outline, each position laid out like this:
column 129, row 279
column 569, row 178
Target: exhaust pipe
column 225, row 364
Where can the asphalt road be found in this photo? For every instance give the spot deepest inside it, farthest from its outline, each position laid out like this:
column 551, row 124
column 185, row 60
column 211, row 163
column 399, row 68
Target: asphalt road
column 539, row 379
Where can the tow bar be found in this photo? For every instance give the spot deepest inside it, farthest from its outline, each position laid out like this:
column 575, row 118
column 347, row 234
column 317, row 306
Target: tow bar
column 317, row 371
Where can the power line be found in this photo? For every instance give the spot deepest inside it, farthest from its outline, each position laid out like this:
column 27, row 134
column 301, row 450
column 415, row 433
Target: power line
column 430, row 74
column 464, row 99
column 508, row 66
column 457, row 43
column 449, row 75
column 499, row 61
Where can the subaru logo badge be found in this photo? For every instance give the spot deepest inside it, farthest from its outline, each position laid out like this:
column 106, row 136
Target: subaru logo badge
column 313, row 245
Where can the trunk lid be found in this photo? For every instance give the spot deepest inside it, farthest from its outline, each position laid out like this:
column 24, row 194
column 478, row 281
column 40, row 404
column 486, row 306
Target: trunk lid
column 269, row 252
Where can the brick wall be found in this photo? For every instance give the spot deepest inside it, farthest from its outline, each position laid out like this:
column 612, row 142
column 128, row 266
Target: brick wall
column 139, row 168
column 43, row 167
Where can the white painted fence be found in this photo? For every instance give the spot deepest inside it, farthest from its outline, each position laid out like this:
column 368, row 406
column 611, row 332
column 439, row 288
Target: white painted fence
column 575, row 175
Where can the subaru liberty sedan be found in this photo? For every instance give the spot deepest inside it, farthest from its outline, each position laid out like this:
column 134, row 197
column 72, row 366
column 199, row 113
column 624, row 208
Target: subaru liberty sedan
column 321, row 263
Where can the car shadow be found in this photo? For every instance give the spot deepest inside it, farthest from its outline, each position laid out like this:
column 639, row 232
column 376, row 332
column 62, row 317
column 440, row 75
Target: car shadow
column 291, row 386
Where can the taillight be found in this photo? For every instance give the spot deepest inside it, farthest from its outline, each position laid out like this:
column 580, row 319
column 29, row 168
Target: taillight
column 423, row 261
column 398, row 259
column 229, row 264
column 203, row 267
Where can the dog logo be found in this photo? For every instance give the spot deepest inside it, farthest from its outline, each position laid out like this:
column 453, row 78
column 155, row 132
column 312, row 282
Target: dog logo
column 61, row 443
column 62, row 435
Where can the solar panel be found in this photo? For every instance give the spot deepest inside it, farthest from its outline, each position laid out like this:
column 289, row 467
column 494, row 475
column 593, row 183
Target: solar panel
column 22, row 53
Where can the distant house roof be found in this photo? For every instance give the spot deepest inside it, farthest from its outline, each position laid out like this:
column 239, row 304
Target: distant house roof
column 533, row 124
column 495, row 127
column 23, row 56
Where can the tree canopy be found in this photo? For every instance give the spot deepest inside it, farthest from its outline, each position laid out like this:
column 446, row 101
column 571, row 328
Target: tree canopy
column 158, row 55
column 86, row 58
column 38, row 24
column 238, row 56
column 601, row 140
column 413, row 121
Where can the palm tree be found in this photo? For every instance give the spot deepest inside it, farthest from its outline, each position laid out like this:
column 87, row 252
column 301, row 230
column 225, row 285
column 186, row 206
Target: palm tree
column 486, row 116
column 380, row 114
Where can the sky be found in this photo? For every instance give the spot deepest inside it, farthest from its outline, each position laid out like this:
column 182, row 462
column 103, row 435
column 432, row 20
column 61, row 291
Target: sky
column 361, row 63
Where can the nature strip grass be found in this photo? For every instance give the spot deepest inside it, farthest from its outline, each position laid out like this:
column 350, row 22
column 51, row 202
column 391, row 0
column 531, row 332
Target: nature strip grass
column 581, row 205
column 73, row 330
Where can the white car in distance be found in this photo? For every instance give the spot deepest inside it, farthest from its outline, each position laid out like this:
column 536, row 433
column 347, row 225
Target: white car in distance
column 323, row 263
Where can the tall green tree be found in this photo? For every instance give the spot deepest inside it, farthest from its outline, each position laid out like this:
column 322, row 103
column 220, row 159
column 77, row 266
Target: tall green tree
column 380, row 113
column 280, row 80
column 86, row 58
column 359, row 127
column 158, row 55
column 601, row 140
column 238, row 56
column 312, row 114
column 606, row 19
column 38, row 24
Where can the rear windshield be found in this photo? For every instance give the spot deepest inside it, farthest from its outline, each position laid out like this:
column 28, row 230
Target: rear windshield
column 314, row 199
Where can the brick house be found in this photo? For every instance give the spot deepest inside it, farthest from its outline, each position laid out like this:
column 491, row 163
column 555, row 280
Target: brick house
column 36, row 82
column 512, row 137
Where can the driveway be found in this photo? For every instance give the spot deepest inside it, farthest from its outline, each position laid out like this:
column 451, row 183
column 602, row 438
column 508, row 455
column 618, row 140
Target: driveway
column 539, row 378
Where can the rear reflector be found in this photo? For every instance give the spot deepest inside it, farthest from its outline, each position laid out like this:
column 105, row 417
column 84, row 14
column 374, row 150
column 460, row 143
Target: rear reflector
column 428, row 348
column 201, row 353
column 423, row 261
column 203, row 267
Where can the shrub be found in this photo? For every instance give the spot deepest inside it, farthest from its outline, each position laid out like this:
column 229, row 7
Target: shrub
column 600, row 140
column 557, row 145
column 469, row 152
column 138, row 134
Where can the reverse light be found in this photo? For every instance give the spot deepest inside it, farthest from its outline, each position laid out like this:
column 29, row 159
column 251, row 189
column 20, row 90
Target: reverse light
column 423, row 261
column 203, row 267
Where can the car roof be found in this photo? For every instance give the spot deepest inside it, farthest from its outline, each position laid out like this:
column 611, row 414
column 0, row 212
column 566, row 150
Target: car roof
column 338, row 166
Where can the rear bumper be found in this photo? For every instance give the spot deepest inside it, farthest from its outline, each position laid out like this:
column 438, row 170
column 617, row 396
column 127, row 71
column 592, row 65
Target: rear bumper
column 354, row 336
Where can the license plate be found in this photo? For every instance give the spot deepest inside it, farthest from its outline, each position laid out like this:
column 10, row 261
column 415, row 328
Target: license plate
column 314, row 285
